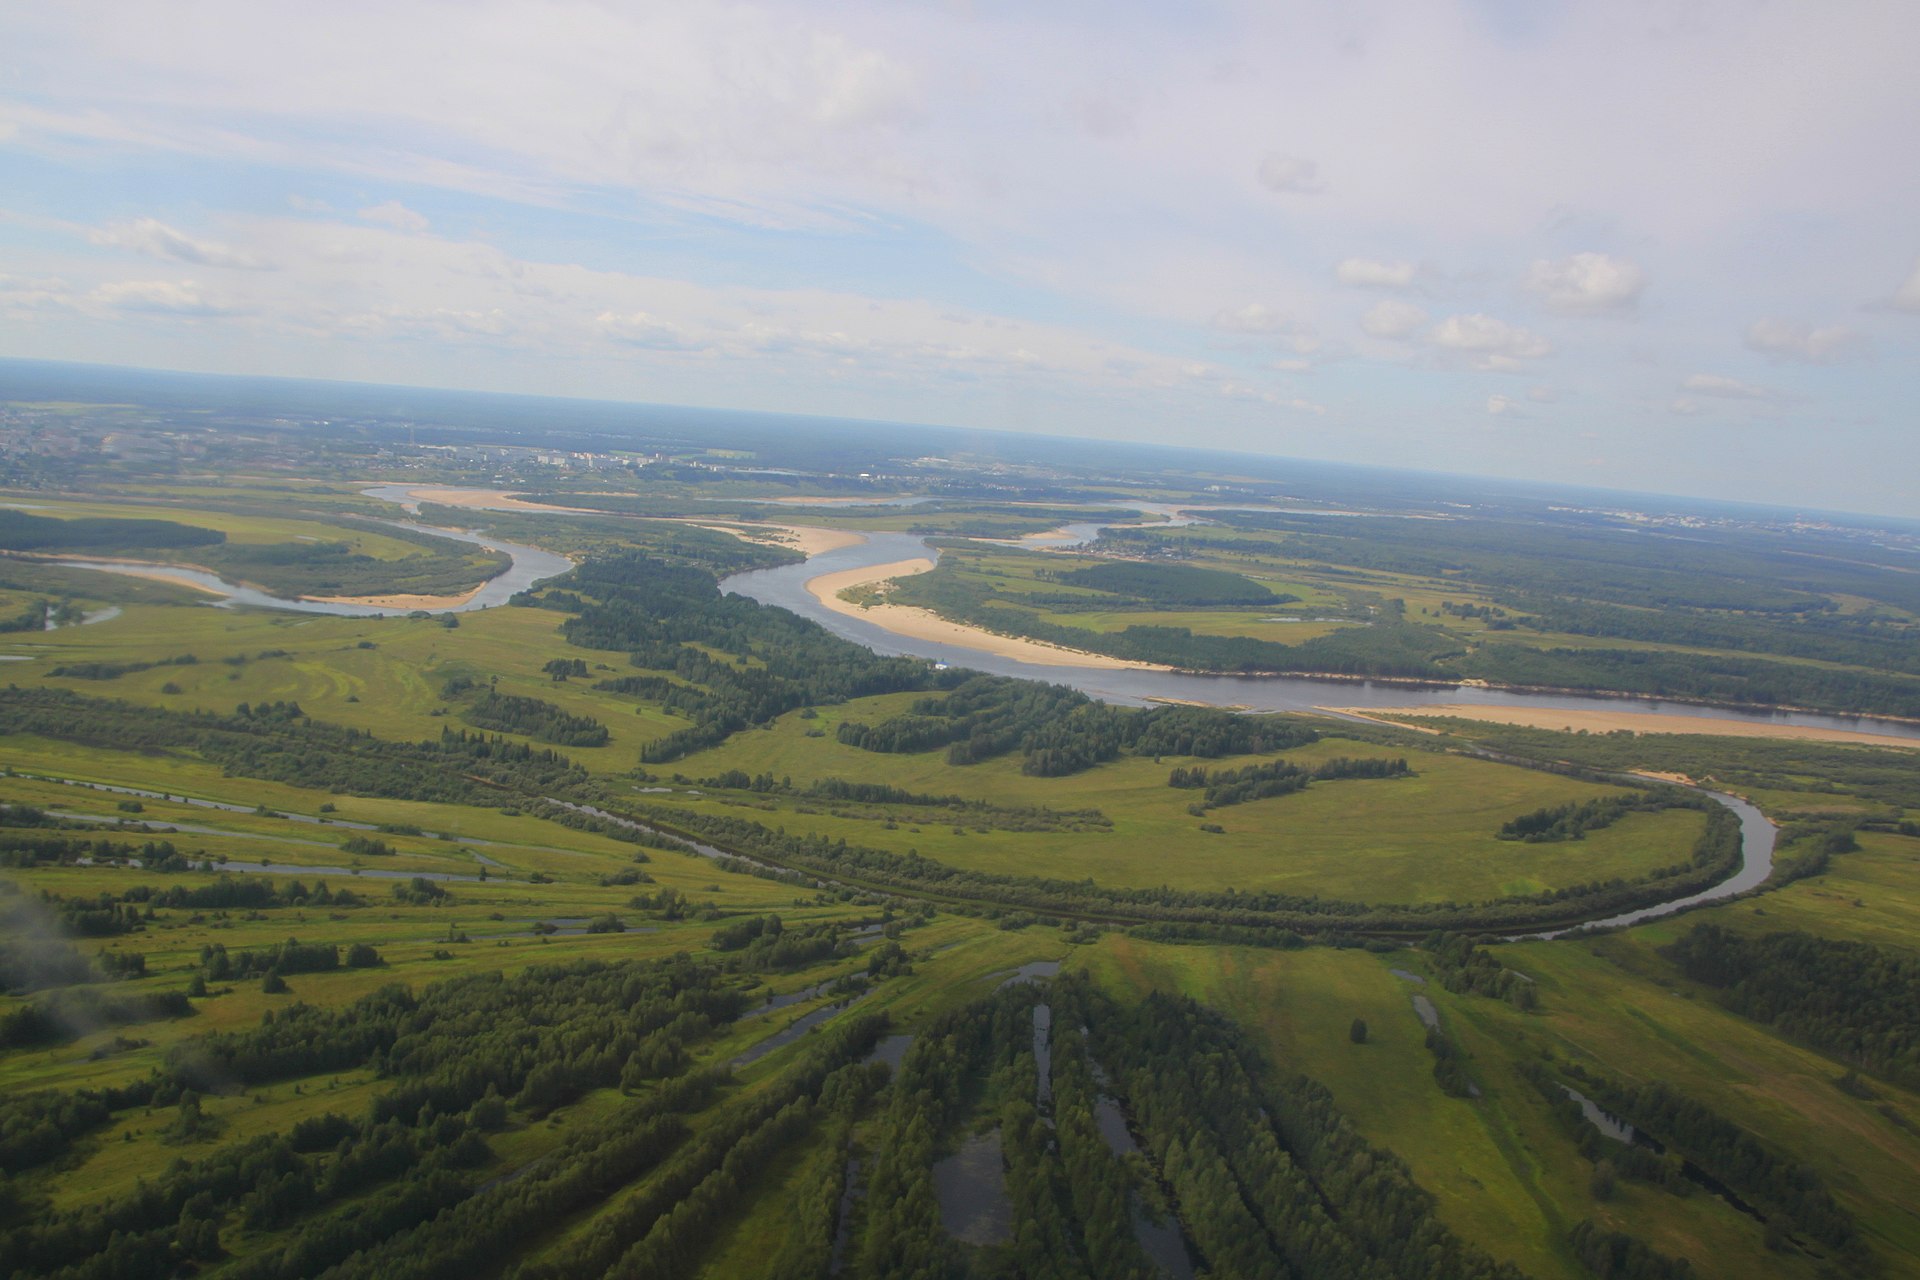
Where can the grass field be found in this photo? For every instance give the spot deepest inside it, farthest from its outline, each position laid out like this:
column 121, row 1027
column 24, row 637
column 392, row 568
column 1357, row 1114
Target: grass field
column 1504, row 1174
column 1429, row 837
column 247, row 529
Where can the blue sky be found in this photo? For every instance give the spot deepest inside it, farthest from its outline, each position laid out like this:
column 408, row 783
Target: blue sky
column 1657, row 246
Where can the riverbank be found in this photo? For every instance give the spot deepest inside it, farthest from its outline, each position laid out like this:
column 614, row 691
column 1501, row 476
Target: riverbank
column 432, row 604
column 1594, row 721
column 177, row 575
column 808, row 540
column 923, row 624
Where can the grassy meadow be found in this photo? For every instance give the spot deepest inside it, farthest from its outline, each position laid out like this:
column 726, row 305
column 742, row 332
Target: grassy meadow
column 1503, row 1171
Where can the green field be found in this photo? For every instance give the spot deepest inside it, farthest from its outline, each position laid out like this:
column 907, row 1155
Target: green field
column 1504, row 1173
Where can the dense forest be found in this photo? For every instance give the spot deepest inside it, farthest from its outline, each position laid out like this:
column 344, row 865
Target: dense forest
column 1062, row 731
column 1754, row 594
column 508, row 713
column 24, row 531
column 1860, row 1003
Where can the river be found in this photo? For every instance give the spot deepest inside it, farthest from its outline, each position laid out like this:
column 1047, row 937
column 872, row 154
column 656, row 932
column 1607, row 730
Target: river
column 1757, row 836
column 786, row 586
column 529, row 565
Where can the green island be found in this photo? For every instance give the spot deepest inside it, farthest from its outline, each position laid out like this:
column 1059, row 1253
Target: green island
column 639, row 928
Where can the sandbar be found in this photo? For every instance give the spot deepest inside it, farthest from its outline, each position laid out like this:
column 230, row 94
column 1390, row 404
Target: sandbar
column 160, row 573
column 1632, row 722
column 490, row 500
column 809, row 540
column 923, row 624
column 806, row 539
column 428, row 603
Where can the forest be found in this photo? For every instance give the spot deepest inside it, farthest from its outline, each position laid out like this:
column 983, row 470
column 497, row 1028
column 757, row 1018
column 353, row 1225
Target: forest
column 638, row 929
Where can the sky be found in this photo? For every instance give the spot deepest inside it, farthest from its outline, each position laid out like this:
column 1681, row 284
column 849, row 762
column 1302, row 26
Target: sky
column 1667, row 246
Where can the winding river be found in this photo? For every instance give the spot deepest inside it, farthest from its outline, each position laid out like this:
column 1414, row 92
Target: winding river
column 528, row 565
column 1757, row 835
column 786, row 587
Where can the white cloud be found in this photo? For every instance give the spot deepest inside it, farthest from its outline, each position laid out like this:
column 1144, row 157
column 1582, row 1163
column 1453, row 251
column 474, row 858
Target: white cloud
column 1785, row 341
column 392, row 213
column 1504, row 407
column 1493, row 343
column 28, row 295
column 1285, row 173
column 1908, row 298
column 642, row 329
column 1393, row 319
column 158, row 240
column 1714, row 384
column 171, row 297
column 1299, row 404
column 1367, row 273
column 1587, row 282
column 1255, row 317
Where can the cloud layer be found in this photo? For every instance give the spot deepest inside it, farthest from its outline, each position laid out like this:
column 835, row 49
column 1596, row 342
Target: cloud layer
column 1033, row 218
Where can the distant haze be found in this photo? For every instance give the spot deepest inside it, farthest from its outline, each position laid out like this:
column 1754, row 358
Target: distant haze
column 1634, row 245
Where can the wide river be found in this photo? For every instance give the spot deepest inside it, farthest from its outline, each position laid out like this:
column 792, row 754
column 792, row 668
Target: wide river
column 787, row 586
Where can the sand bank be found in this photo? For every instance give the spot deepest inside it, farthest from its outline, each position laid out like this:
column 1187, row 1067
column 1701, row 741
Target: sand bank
column 923, row 624
column 806, row 539
column 490, row 500
column 161, row 573
column 1632, row 722
column 428, row 603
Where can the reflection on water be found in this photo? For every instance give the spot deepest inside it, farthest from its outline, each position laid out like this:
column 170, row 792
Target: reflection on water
column 1033, row 971
column 1161, row 1241
column 1605, row 1121
column 800, row 1027
column 971, row 1186
column 1043, row 1057
column 891, row 1050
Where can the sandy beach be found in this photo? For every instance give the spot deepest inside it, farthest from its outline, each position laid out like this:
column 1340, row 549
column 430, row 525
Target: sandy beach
column 806, row 539
column 922, row 624
column 160, row 573
column 1631, row 721
column 490, row 500
column 429, row 603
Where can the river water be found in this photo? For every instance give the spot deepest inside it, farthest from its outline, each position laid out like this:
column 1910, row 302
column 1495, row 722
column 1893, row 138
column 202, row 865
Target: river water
column 786, row 586
column 529, row 565
column 1757, row 836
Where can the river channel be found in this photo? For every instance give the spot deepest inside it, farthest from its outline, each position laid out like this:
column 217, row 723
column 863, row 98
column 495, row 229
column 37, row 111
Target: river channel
column 528, row 566
column 786, row 586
